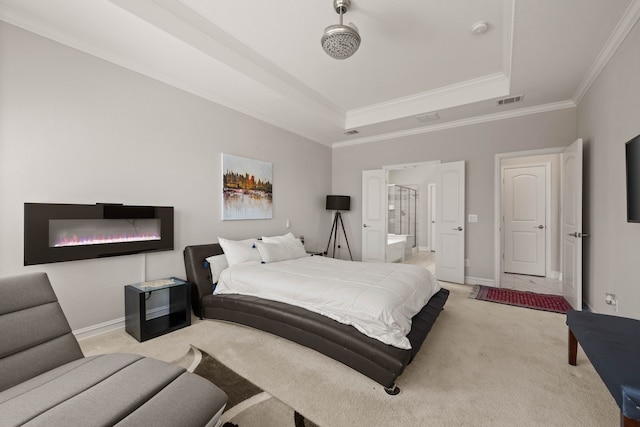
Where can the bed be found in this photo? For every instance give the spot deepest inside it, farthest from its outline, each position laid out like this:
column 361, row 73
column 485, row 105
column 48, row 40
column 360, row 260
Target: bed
column 381, row 362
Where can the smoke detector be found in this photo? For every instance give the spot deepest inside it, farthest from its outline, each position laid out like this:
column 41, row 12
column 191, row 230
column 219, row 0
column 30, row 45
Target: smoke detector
column 480, row 27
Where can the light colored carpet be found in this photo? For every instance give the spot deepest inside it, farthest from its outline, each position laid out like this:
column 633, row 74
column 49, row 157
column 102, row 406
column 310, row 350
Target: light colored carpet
column 248, row 405
column 483, row 364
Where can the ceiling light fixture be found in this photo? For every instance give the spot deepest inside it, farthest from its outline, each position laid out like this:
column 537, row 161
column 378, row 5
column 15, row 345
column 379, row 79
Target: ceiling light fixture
column 341, row 41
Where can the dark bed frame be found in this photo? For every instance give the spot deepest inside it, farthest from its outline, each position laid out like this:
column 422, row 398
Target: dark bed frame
column 380, row 362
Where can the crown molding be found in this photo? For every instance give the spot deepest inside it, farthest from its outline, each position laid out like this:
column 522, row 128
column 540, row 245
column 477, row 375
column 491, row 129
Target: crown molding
column 175, row 18
column 183, row 23
column 467, row 92
column 28, row 23
column 626, row 23
column 459, row 123
column 507, row 37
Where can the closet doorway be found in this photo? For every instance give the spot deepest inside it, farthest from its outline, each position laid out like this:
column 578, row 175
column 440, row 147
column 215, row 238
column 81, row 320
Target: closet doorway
column 526, row 207
column 528, row 221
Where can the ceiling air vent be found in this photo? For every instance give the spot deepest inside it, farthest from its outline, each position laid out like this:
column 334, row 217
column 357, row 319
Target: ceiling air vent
column 428, row 117
column 510, row 100
column 351, row 132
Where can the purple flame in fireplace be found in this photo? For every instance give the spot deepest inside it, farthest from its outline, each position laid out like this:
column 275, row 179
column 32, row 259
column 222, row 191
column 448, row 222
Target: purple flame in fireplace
column 84, row 232
column 102, row 239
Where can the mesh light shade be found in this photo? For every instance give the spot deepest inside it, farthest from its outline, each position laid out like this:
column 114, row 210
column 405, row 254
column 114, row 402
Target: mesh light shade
column 340, row 41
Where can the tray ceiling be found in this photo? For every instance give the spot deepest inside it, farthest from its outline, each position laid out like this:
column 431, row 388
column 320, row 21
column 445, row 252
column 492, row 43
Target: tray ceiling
column 264, row 59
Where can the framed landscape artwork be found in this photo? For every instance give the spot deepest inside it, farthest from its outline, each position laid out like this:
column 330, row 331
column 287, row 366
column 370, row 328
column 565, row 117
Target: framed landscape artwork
column 246, row 188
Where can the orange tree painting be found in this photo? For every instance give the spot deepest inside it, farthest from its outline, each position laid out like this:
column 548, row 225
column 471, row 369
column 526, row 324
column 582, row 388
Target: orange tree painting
column 247, row 187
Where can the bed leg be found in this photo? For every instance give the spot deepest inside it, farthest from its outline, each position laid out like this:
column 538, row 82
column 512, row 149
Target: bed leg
column 628, row 422
column 573, row 348
column 393, row 390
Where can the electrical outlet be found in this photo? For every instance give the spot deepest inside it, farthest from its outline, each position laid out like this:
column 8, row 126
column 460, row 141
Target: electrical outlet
column 466, row 263
column 611, row 299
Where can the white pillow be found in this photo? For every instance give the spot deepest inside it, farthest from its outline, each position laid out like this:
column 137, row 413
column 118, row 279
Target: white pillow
column 239, row 251
column 217, row 264
column 272, row 252
column 279, row 239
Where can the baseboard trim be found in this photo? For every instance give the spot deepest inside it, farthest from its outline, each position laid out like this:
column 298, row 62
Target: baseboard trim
column 469, row 280
column 113, row 325
column 99, row 329
column 555, row 275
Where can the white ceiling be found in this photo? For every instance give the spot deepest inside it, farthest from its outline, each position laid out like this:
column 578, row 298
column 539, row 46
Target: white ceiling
column 264, row 58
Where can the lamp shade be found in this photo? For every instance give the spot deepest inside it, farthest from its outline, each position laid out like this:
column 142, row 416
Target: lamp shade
column 338, row 203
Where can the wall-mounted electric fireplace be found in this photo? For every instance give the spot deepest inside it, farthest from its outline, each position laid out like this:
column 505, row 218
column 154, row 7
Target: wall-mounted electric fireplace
column 65, row 232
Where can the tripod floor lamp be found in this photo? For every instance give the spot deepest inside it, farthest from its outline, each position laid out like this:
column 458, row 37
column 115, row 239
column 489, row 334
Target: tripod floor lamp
column 338, row 203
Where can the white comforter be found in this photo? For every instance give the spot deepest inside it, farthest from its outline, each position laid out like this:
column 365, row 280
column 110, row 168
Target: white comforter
column 377, row 299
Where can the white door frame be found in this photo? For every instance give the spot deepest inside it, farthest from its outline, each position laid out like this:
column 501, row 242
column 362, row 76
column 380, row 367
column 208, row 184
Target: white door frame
column 431, row 216
column 497, row 221
column 572, row 224
column 374, row 216
column 450, row 222
column 415, row 165
column 547, row 212
column 387, row 169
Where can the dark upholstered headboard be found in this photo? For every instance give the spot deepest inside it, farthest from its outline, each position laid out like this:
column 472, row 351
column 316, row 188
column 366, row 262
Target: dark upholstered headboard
column 198, row 271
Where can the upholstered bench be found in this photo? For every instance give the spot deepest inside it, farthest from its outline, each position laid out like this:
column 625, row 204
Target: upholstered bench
column 46, row 381
column 612, row 344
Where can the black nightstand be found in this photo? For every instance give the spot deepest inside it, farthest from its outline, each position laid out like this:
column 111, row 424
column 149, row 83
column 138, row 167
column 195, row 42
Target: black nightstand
column 135, row 303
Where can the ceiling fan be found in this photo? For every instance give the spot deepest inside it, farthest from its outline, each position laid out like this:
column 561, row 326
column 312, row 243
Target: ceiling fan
column 341, row 41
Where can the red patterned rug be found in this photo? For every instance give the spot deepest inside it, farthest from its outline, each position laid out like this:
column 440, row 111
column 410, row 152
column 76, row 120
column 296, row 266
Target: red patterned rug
column 554, row 303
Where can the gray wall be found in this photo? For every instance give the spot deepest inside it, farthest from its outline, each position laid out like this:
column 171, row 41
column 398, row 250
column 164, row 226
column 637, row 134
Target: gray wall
column 608, row 116
column 77, row 129
column 477, row 145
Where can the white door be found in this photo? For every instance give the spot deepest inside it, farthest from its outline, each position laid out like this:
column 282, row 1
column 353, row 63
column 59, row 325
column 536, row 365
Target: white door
column 571, row 171
column 450, row 222
column 432, row 217
column 374, row 215
column 524, row 212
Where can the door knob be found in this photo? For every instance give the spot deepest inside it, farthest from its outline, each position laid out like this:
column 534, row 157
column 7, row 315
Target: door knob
column 577, row 234
column 457, row 229
column 540, row 227
column 365, row 225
